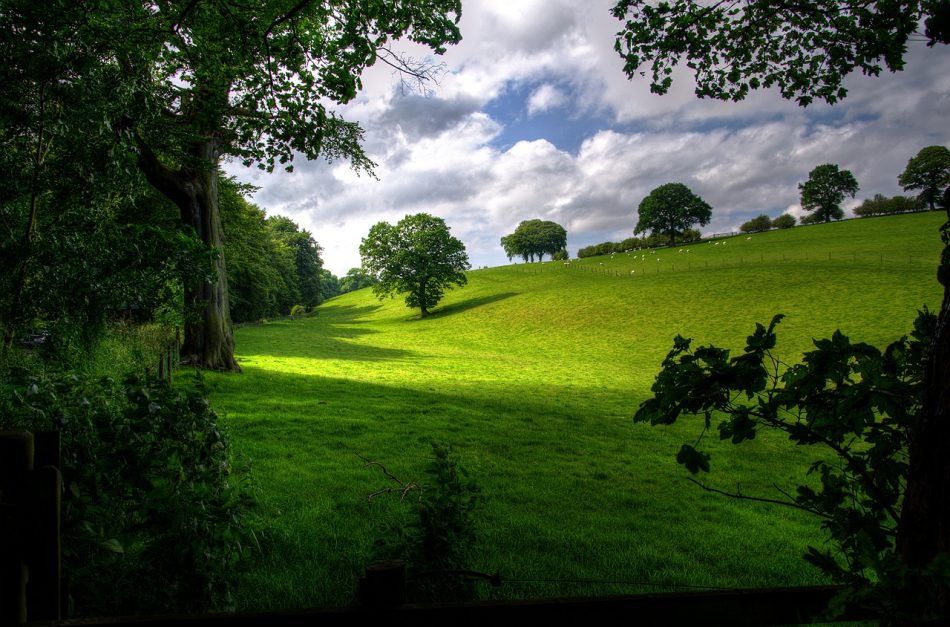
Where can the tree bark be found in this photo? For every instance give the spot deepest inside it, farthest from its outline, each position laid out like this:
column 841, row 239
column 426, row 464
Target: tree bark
column 924, row 528
column 209, row 336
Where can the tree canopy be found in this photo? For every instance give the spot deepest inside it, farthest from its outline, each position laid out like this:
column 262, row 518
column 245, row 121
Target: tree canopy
column 805, row 49
column 177, row 85
column 535, row 238
column 417, row 256
column 671, row 209
column 824, row 191
column 928, row 171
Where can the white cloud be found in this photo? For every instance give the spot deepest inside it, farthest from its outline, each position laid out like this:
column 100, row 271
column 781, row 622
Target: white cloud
column 439, row 154
column 545, row 98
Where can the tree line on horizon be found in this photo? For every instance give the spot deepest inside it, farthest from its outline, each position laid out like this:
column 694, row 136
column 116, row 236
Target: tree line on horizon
column 670, row 209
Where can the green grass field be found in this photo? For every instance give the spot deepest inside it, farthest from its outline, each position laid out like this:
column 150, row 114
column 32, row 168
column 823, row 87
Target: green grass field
column 533, row 372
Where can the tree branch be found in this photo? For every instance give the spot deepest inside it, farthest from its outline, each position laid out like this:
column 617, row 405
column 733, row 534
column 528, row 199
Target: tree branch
column 760, row 499
column 403, row 489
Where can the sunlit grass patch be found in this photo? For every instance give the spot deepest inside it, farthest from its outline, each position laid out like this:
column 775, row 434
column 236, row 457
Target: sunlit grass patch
column 533, row 373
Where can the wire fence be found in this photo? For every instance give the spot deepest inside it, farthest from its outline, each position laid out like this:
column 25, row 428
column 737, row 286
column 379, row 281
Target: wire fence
column 646, row 264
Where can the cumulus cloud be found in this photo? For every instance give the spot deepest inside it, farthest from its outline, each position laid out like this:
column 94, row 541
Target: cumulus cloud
column 438, row 153
column 544, row 98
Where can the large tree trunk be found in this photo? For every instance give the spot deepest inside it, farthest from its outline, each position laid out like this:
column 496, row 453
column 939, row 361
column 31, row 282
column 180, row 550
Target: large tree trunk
column 924, row 529
column 209, row 338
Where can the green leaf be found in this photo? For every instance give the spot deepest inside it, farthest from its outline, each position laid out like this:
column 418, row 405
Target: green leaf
column 693, row 460
column 112, row 545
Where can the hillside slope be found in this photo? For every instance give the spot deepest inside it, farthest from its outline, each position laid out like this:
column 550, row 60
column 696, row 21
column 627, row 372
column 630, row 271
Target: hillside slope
column 532, row 372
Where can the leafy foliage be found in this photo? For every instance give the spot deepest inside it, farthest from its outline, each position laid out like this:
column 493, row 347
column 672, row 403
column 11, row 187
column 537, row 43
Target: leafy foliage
column 928, row 171
column 441, row 535
column 356, row 279
column 824, row 190
column 171, row 88
column 152, row 520
column 880, row 205
column 418, row 256
column 671, row 209
column 535, row 238
column 856, row 402
column 803, row 48
column 784, row 221
column 757, row 224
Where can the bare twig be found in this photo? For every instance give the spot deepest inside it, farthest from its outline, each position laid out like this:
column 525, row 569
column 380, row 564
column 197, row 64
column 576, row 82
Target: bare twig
column 404, row 487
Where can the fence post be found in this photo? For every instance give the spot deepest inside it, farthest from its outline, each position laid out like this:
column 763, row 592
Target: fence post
column 383, row 584
column 30, row 550
column 16, row 458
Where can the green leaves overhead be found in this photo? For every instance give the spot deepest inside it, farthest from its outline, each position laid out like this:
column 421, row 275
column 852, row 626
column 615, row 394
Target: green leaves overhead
column 854, row 401
column 803, row 48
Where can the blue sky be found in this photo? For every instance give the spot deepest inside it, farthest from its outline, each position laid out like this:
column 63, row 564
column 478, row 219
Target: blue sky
column 533, row 118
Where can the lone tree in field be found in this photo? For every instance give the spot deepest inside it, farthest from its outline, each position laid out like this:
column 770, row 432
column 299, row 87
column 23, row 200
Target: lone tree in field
column 806, row 49
column 535, row 238
column 671, row 209
column 417, row 257
column 824, row 191
column 188, row 83
column 929, row 172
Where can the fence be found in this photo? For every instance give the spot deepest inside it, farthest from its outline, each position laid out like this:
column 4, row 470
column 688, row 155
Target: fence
column 639, row 264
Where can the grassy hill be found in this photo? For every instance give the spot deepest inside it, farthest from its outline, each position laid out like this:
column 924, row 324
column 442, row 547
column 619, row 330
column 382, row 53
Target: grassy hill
column 532, row 372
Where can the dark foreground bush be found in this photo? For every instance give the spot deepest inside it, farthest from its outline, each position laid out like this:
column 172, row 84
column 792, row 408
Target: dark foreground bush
column 439, row 538
column 152, row 521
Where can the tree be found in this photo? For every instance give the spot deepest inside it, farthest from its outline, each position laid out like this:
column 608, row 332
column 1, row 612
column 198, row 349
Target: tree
column 881, row 205
column 535, row 238
column 188, row 83
column 306, row 256
column 851, row 399
column 824, row 190
column 803, row 48
column 756, row 224
column 671, row 209
column 784, row 221
column 929, row 172
column 806, row 49
column 356, row 279
column 329, row 285
column 418, row 257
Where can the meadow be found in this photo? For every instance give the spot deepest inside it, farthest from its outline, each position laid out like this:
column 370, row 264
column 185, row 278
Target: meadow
column 532, row 372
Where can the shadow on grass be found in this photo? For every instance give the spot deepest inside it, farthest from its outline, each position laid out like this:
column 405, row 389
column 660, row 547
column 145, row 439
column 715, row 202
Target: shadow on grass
column 471, row 303
column 328, row 335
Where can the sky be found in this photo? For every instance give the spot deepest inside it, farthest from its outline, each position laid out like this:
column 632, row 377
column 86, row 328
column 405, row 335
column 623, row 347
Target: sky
column 533, row 117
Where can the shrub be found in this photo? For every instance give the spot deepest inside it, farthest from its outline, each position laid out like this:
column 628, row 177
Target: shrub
column 561, row 255
column 757, row 224
column 689, row 235
column 151, row 521
column 442, row 533
column 784, row 221
column 881, row 205
column 298, row 310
